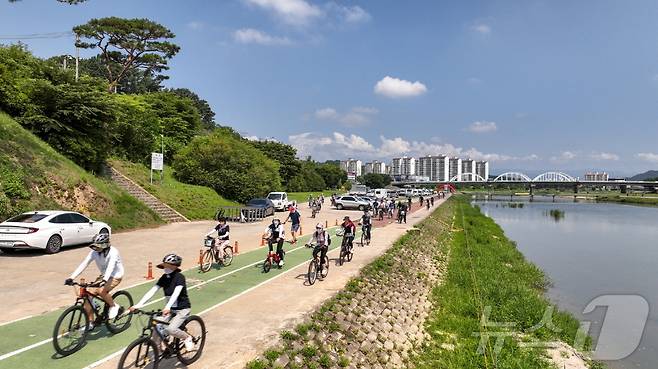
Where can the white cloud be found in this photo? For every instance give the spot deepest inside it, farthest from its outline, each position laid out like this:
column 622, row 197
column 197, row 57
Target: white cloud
column 481, row 28
column 349, row 14
column 357, row 116
column 338, row 146
column 292, row 12
column 397, row 88
column 604, row 156
column 196, row 25
column 564, row 156
column 254, row 36
column 482, row 127
column 648, row 156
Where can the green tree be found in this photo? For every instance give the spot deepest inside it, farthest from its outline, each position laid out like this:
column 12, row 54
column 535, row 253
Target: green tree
column 333, row 176
column 375, row 180
column 201, row 105
column 233, row 167
column 135, row 81
column 285, row 155
column 137, row 130
column 129, row 44
column 75, row 119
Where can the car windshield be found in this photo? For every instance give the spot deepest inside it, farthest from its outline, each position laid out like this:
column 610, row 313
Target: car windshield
column 257, row 202
column 27, row 218
column 274, row 196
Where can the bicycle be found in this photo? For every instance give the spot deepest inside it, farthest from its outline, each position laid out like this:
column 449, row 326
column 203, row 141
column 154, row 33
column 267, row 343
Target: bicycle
column 72, row 327
column 365, row 235
column 314, row 267
column 272, row 257
column 212, row 255
column 148, row 354
column 345, row 251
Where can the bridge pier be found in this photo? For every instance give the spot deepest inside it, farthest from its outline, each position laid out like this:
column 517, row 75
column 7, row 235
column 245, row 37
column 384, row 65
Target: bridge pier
column 623, row 189
column 575, row 188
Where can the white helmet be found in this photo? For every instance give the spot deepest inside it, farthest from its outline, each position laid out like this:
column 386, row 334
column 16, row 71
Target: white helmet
column 319, row 226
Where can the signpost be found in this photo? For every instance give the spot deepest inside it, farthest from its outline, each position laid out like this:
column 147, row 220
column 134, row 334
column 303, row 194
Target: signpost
column 157, row 163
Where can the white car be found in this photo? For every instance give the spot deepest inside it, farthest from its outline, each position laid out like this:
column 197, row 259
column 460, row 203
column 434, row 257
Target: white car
column 279, row 199
column 48, row 230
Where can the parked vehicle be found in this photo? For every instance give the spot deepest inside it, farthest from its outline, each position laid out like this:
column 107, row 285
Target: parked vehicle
column 381, row 193
column 279, row 199
column 359, row 189
column 265, row 204
column 48, row 230
column 351, row 202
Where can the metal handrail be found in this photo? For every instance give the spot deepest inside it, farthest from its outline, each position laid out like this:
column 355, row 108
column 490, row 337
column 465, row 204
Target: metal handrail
column 242, row 214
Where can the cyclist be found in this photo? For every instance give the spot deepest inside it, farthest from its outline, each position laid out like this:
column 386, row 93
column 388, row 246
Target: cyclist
column 275, row 233
column 222, row 229
column 108, row 261
column 432, row 200
column 349, row 230
column 366, row 221
column 295, row 217
column 321, row 240
column 175, row 290
column 402, row 213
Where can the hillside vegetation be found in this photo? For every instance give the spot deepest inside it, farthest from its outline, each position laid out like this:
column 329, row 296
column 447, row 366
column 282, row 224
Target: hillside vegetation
column 35, row 176
column 195, row 202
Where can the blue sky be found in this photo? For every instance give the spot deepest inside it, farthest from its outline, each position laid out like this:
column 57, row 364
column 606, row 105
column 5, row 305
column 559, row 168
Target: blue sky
column 568, row 85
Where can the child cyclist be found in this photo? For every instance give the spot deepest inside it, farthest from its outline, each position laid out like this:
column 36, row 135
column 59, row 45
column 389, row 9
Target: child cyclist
column 223, row 234
column 175, row 290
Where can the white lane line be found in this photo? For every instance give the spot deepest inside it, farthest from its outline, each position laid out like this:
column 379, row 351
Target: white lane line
column 34, row 345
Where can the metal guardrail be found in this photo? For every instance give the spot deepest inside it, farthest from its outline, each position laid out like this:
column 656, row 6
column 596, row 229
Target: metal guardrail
column 241, row 214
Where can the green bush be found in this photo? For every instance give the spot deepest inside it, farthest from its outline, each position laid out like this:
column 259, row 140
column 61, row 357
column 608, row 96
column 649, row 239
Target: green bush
column 235, row 169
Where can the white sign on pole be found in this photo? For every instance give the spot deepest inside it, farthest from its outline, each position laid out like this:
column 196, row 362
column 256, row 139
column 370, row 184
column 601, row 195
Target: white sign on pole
column 157, row 160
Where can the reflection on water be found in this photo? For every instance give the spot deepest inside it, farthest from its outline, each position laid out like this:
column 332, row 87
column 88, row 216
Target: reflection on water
column 589, row 250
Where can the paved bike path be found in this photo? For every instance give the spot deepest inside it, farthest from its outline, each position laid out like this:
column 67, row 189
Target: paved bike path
column 205, row 290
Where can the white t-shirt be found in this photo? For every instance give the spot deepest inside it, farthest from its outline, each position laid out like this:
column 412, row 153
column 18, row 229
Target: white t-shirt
column 110, row 265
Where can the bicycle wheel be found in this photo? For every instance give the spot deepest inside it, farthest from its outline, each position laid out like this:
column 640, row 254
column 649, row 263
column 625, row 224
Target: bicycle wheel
column 70, row 332
column 363, row 238
column 206, row 260
column 195, row 327
column 325, row 270
column 341, row 258
column 227, row 259
column 122, row 321
column 349, row 255
column 312, row 275
column 267, row 265
column 141, row 353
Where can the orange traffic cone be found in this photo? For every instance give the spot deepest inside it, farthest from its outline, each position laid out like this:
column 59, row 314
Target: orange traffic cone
column 300, row 230
column 149, row 271
column 200, row 257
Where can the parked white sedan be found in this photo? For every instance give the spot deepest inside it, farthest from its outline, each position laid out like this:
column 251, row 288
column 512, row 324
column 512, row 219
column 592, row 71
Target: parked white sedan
column 48, row 230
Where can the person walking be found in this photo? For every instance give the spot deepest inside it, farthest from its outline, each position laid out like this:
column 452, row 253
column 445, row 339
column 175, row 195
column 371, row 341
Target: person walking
column 295, row 218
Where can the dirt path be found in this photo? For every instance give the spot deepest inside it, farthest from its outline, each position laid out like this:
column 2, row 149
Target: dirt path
column 244, row 327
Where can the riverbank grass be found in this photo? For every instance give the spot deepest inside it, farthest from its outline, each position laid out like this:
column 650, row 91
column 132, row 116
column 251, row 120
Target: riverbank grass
column 488, row 276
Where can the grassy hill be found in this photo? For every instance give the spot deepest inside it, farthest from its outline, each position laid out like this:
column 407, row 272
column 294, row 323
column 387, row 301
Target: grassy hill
column 195, row 202
column 33, row 176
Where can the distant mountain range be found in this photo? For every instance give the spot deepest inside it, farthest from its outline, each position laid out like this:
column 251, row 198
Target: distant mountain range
column 650, row 174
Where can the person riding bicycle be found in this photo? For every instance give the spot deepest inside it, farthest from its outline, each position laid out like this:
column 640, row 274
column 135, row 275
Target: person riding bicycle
column 349, row 230
column 295, row 217
column 275, row 233
column 222, row 229
column 109, row 263
column 175, row 290
column 321, row 240
column 366, row 221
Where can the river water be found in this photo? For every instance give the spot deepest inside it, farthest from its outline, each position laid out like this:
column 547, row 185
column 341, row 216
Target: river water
column 588, row 250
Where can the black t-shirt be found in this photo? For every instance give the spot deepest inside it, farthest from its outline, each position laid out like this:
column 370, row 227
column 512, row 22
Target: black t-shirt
column 168, row 282
column 222, row 230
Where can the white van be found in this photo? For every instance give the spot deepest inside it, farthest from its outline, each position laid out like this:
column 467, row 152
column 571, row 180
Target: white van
column 280, row 200
column 381, row 193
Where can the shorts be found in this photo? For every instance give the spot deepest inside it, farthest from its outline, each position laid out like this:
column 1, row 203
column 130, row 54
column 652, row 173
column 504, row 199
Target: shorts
column 111, row 284
column 295, row 227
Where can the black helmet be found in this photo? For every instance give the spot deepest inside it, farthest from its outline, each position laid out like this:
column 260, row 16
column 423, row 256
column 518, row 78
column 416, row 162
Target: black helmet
column 172, row 259
column 100, row 242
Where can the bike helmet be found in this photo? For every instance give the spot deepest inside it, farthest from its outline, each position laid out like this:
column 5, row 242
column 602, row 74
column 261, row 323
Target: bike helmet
column 100, row 242
column 319, row 226
column 276, row 221
column 171, row 259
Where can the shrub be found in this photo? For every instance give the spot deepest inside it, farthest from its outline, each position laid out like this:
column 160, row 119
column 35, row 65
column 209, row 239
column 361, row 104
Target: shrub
column 235, row 169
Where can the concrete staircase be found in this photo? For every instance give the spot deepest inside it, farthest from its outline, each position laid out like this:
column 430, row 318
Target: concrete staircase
column 165, row 212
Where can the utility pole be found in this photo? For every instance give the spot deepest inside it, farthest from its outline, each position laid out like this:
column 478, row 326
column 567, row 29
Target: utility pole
column 77, row 56
column 162, row 171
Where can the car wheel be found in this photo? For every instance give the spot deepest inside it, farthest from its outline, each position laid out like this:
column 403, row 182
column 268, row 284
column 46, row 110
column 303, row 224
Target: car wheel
column 339, row 206
column 54, row 244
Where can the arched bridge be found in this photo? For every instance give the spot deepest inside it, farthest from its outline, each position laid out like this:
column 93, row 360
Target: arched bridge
column 544, row 177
